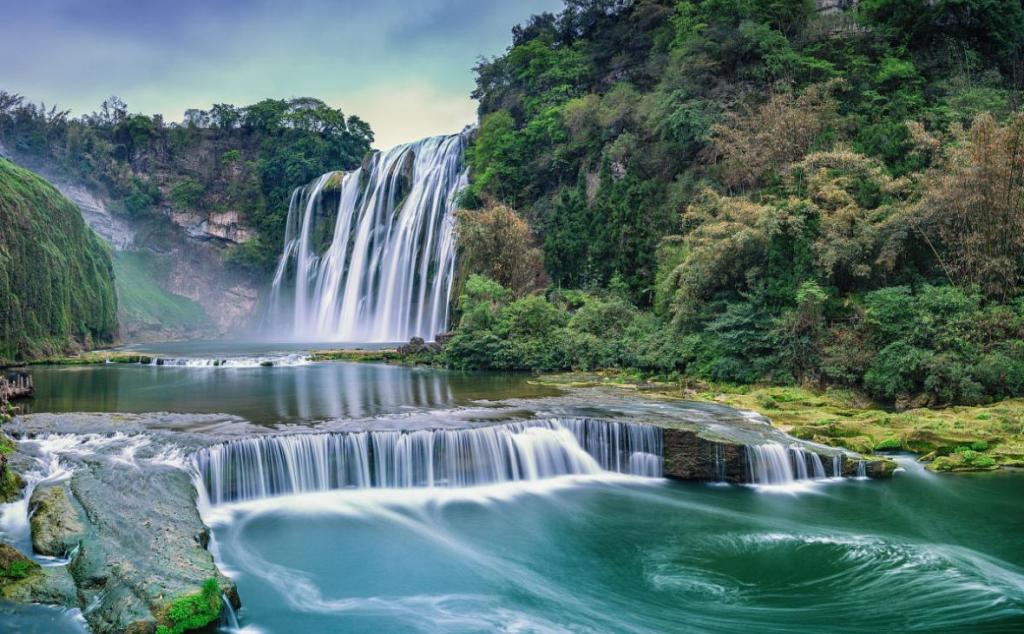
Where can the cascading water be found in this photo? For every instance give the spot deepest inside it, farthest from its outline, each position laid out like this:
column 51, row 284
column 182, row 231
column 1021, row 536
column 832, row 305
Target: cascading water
column 775, row 464
column 384, row 272
column 266, row 466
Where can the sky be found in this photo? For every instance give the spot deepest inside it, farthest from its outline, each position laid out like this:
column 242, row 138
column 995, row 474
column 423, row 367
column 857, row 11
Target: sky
column 405, row 66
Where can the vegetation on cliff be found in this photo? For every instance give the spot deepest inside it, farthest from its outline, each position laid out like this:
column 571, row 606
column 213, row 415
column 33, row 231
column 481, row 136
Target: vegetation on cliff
column 56, row 277
column 227, row 160
column 758, row 192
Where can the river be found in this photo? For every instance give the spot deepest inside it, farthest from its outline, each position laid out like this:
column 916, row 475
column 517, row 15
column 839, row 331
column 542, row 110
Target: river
column 579, row 553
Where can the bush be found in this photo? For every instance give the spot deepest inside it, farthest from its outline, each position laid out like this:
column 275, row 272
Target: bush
column 187, row 194
column 898, row 369
column 496, row 242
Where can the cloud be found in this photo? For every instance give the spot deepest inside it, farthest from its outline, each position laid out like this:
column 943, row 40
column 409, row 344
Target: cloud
column 404, row 66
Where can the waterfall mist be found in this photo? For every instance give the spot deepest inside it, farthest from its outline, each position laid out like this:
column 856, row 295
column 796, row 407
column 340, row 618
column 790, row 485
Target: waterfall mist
column 369, row 255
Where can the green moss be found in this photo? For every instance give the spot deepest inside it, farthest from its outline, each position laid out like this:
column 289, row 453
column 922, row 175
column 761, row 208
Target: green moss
column 973, row 438
column 354, row 355
column 194, row 611
column 56, row 277
column 13, row 565
column 17, row 570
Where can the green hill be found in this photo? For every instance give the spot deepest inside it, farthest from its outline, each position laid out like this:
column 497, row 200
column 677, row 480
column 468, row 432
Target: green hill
column 56, row 277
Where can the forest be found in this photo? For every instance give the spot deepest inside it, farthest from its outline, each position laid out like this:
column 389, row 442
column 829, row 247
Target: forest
column 744, row 192
column 247, row 159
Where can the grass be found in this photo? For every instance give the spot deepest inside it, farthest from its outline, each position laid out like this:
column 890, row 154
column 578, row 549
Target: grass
column 355, row 354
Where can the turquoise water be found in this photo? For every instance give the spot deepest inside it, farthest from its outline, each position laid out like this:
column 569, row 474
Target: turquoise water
column 923, row 552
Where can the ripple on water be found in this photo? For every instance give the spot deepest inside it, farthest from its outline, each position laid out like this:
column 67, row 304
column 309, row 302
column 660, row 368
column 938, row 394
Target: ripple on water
column 769, row 577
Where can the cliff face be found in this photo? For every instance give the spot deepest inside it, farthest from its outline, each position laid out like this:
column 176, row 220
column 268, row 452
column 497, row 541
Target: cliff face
column 173, row 280
column 834, row 6
column 56, row 275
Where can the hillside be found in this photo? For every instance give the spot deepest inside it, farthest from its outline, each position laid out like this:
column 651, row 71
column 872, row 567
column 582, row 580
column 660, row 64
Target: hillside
column 56, row 276
column 202, row 203
column 783, row 192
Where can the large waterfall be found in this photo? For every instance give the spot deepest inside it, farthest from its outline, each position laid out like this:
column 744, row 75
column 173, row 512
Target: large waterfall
column 369, row 255
column 265, row 466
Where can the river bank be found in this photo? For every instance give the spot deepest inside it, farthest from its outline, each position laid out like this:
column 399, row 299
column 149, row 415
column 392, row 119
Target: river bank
column 953, row 439
column 950, row 439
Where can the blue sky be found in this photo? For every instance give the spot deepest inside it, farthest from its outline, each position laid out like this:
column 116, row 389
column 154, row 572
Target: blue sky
column 403, row 65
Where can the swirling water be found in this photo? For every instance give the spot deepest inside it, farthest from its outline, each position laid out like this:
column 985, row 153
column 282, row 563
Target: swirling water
column 590, row 550
column 615, row 554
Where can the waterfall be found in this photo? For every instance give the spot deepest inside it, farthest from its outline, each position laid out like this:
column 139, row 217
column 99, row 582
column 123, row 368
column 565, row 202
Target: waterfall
column 769, row 464
column 773, row 463
column 228, row 616
column 861, row 470
column 266, row 466
column 369, row 255
column 837, row 466
column 719, row 462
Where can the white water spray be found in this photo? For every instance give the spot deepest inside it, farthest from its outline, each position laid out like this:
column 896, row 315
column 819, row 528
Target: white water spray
column 384, row 273
column 266, row 466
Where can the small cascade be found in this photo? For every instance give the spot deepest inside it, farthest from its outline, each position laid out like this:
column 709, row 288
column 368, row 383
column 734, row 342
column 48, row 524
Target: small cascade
column 775, row 464
column 267, row 466
column 837, row 466
column 719, row 462
column 861, row 469
column 769, row 464
column 619, row 447
column 228, row 617
column 283, row 360
column 800, row 462
column 817, row 468
column 369, row 255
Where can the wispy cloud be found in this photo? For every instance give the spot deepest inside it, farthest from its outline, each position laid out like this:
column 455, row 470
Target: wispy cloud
column 404, row 66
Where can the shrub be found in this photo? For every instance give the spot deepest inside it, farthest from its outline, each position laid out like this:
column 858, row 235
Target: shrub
column 897, row 369
column 187, row 194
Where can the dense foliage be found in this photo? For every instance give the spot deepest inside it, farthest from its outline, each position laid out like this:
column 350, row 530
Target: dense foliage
column 762, row 191
column 56, row 278
column 227, row 159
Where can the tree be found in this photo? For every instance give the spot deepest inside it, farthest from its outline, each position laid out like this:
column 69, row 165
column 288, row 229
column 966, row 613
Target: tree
column 974, row 204
column 496, row 242
column 766, row 139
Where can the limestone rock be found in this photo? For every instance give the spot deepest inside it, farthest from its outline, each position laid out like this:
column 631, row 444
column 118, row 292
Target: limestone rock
column 56, row 526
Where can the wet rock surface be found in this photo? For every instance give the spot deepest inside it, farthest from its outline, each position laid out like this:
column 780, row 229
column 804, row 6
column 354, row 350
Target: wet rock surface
column 57, row 525
column 122, row 510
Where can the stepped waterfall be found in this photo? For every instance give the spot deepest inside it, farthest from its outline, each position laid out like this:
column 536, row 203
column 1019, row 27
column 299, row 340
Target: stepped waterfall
column 369, row 255
column 267, row 466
